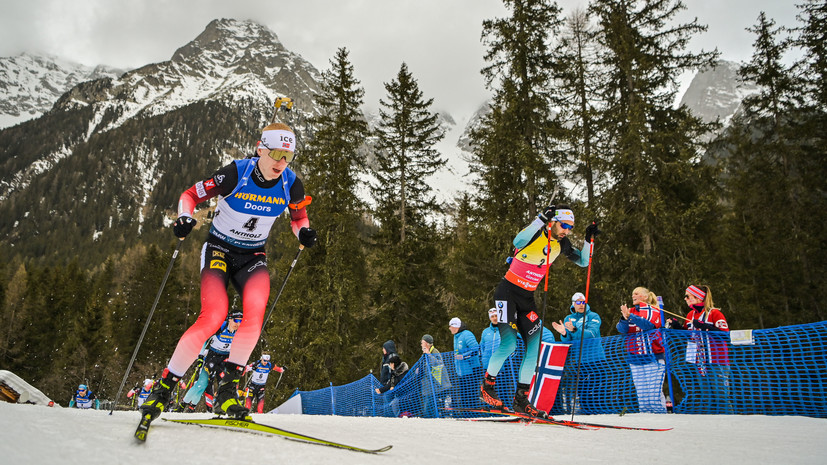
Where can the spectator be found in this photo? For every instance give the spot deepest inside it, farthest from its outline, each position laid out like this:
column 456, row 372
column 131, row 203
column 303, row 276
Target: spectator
column 707, row 346
column 435, row 379
column 388, row 349
column 84, row 399
column 646, row 354
column 583, row 323
column 548, row 336
column 490, row 338
column 398, row 368
column 466, row 363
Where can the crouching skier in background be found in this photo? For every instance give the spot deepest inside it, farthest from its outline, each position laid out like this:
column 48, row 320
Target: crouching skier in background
column 84, row 398
column 211, row 358
column 514, row 299
column 254, row 192
column 140, row 393
column 258, row 381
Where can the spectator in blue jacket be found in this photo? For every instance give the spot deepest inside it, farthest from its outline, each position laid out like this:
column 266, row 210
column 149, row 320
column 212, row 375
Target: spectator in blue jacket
column 466, row 363
column 583, row 323
column 490, row 338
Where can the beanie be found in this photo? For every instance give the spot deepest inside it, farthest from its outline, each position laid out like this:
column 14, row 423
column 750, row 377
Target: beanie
column 428, row 338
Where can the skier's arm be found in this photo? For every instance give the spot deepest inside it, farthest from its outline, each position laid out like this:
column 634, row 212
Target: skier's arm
column 298, row 207
column 578, row 257
column 525, row 236
column 220, row 183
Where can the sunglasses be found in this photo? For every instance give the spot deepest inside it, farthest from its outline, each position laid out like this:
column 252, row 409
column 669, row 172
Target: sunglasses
column 579, row 302
column 279, row 154
column 566, row 225
column 237, row 320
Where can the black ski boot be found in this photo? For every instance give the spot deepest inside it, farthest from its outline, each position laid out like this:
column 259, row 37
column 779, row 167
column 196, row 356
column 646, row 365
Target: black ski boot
column 159, row 397
column 523, row 406
column 226, row 399
column 488, row 395
column 184, row 407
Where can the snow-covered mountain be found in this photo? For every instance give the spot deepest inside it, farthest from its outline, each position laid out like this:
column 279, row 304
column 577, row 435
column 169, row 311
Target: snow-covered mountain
column 125, row 144
column 231, row 62
column 716, row 93
column 30, row 84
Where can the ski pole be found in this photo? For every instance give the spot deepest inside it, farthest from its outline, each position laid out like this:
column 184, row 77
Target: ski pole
column 148, row 319
column 273, row 305
column 279, row 380
column 583, row 329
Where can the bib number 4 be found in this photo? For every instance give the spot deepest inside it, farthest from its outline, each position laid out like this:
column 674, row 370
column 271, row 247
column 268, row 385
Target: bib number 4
column 250, row 225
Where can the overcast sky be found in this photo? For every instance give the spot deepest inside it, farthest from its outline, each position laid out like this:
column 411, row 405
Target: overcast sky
column 438, row 39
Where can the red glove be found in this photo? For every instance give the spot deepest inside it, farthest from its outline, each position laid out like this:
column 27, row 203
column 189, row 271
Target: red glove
column 279, row 369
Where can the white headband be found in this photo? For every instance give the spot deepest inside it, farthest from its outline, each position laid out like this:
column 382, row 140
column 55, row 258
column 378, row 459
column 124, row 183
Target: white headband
column 278, row 139
column 564, row 215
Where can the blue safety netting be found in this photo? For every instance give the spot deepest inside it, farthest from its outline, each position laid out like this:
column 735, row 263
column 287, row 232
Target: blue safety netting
column 781, row 372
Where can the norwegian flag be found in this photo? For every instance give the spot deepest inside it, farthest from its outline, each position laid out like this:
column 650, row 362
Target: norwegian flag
column 547, row 376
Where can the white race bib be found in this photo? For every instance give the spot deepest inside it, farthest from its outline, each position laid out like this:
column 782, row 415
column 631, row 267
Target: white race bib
column 502, row 310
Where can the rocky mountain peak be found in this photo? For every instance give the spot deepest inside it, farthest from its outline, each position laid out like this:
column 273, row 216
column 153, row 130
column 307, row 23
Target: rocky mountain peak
column 716, row 92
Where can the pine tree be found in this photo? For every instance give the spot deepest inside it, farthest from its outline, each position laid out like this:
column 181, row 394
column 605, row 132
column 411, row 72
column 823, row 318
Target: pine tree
column 660, row 190
column 775, row 163
column 515, row 153
column 405, row 262
column 579, row 87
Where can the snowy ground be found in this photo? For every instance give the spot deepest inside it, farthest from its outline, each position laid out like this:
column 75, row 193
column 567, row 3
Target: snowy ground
column 39, row 435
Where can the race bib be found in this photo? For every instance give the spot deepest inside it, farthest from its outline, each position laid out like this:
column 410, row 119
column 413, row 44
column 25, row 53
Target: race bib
column 502, row 310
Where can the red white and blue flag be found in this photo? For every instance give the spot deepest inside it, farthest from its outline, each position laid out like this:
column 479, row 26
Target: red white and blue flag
column 547, row 376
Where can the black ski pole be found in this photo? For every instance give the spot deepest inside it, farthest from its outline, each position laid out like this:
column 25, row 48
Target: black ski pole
column 146, row 325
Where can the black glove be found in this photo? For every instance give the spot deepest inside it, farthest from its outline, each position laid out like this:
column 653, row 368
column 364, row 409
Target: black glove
column 199, row 363
column 307, row 237
column 183, row 225
column 547, row 214
column 674, row 323
column 592, row 231
column 698, row 324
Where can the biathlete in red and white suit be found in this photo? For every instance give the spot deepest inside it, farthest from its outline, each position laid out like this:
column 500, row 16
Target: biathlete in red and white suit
column 254, row 192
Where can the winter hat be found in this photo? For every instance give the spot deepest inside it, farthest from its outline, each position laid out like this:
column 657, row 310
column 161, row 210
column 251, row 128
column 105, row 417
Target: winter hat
column 492, row 311
column 455, row 322
column 577, row 296
column 428, row 338
column 235, row 314
column 148, row 382
column 82, row 387
column 265, row 357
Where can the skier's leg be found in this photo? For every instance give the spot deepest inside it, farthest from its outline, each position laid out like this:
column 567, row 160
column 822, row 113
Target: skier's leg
column 214, row 304
column 254, row 288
